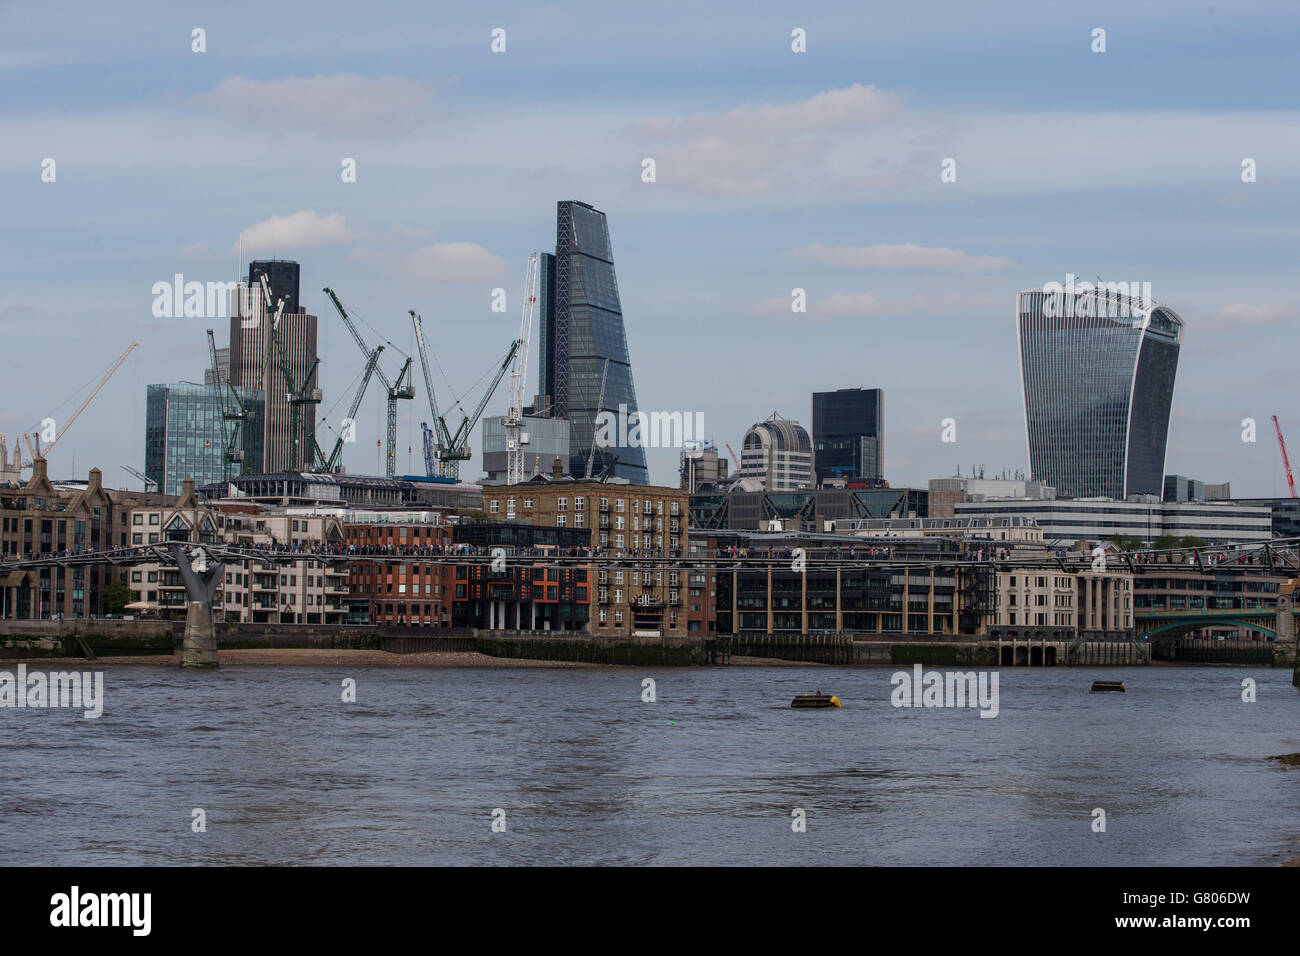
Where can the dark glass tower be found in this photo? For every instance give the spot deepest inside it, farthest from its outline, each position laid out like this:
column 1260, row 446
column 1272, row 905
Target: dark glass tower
column 282, row 276
column 1098, row 371
column 848, row 434
column 583, row 343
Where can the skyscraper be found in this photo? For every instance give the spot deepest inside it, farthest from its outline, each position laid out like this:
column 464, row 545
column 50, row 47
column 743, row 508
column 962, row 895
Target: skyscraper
column 185, row 435
column 583, row 364
column 1098, row 367
column 250, row 340
column 848, row 434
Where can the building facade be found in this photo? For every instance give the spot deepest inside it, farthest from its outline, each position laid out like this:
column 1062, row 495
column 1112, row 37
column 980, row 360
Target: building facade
column 583, row 362
column 1065, row 521
column 1097, row 370
column 544, row 439
column 622, row 521
column 848, row 434
column 778, row 453
column 186, row 434
column 288, row 430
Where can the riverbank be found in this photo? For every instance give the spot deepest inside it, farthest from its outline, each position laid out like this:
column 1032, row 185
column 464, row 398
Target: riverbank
column 295, row 657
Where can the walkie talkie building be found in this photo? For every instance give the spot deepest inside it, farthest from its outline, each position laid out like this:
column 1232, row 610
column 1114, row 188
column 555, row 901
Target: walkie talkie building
column 583, row 364
column 1098, row 367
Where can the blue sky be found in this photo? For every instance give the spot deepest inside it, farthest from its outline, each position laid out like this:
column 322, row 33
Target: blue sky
column 775, row 170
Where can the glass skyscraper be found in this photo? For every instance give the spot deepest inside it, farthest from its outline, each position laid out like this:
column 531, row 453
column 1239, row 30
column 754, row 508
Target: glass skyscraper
column 583, row 344
column 1098, row 371
column 185, row 435
column 848, row 434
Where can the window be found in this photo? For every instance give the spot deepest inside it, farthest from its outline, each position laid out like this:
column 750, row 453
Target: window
column 562, row 504
column 528, row 502
column 578, row 503
column 153, row 519
column 495, row 506
column 559, row 521
column 137, row 519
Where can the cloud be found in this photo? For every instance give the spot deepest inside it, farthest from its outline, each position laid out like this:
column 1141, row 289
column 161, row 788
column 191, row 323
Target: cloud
column 299, row 230
column 900, row 256
column 865, row 305
column 1241, row 313
column 452, row 262
column 755, row 151
column 334, row 104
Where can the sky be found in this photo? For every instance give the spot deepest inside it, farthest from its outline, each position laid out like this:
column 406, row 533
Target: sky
column 774, row 170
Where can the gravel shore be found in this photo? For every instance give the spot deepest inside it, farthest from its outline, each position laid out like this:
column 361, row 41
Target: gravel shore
column 294, row 657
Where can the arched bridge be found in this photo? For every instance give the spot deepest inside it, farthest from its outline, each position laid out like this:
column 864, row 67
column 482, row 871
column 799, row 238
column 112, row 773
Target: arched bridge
column 1158, row 623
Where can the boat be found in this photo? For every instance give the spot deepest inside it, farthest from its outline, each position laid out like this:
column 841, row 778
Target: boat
column 1115, row 685
column 816, row 700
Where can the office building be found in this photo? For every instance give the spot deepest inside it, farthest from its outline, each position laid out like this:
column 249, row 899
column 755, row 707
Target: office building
column 288, row 430
column 583, row 362
column 185, row 435
column 1098, row 369
column 545, row 439
column 1182, row 488
column 946, row 492
column 848, row 435
column 701, row 465
column 777, row 452
column 1065, row 521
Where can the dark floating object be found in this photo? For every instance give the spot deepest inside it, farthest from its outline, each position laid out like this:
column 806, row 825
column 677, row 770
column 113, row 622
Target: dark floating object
column 816, row 700
column 1101, row 685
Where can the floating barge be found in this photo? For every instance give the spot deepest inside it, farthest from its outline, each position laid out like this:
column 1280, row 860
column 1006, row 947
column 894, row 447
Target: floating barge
column 817, row 700
column 1099, row 686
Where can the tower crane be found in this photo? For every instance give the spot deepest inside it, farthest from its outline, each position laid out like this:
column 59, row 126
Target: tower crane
column 232, row 410
column 1285, row 460
column 372, row 363
column 733, row 457
column 299, row 396
column 396, row 390
column 516, row 437
column 451, row 448
column 45, row 452
column 435, row 438
column 149, row 483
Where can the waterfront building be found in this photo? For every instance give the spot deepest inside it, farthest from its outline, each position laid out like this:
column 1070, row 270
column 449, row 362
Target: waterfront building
column 1097, row 370
column 848, row 434
column 186, row 435
column 583, row 363
column 624, row 520
column 1065, row 521
column 778, row 453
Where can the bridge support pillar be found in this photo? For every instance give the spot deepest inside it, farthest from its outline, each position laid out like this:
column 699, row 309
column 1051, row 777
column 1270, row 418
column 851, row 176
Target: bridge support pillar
column 199, row 649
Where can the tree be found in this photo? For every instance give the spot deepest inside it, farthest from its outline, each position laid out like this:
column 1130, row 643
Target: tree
column 1166, row 542
column 1191, row 541
column 1126, row 542
column 115, row 597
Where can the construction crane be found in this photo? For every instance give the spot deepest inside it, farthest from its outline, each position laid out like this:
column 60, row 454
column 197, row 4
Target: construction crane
column 299, row 395
column 433, row 440
column 45, row 452
column 733, row 457
column 451, row 448
column 1285, row 460
column 149, row 483
column 232, row 410
column 396, row 390
column 516, row 437
column 600, row 403
column 332, row 462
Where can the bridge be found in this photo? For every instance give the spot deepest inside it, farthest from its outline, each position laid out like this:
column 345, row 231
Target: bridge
column 1160, row 624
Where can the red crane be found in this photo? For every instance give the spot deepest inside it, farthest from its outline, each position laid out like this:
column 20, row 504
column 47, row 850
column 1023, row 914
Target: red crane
column 1285, row 460
column 733, row 457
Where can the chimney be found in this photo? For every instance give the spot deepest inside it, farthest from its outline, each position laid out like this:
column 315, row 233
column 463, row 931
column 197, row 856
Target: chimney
column 557, row 470
column 38, row 470
column 95, row 480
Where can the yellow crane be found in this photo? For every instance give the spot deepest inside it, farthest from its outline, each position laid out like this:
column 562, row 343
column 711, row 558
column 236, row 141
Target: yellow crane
column 39, row 452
